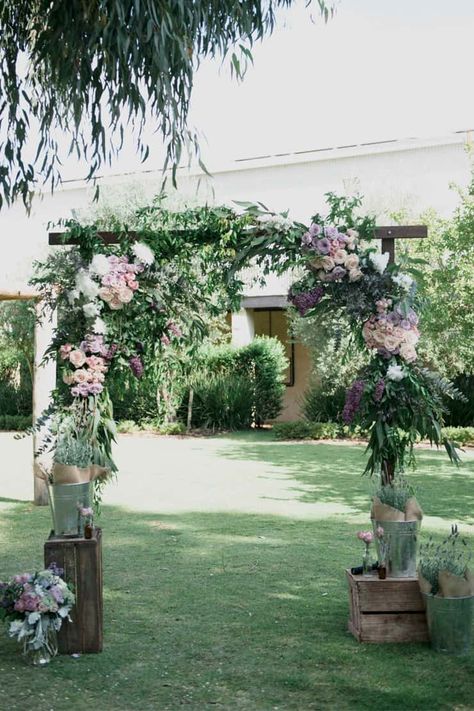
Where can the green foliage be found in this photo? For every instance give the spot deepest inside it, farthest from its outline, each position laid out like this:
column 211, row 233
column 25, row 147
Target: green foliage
column 92, row 69
column 396, row 494
column 16, row 357
column 222, row 401
column 451, row 555
column 132, row 427
column 261, row 364
column 459, row 435
column 315, row 430
column 292, row 430
column 72, row 451
column 15, row 422
column 460, row 412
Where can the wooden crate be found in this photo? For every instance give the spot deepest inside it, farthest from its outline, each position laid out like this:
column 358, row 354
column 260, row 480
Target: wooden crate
column 81, row 560
column 389, row 610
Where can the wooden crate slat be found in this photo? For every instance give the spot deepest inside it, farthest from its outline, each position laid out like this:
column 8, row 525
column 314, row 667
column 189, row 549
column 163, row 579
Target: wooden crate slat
column 81, row 560
column 388, row 610
column 389, row 627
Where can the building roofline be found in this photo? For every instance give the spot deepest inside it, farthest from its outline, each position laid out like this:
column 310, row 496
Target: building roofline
column 290, row 158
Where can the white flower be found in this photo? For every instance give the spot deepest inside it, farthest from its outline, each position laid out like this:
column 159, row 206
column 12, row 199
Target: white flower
column 143, row 253
column 99, row 326
column 33, row 617
column 86, row 285
column 403, row 280
column 278, row 222
column 379, row 261
column 91, row 309
column 396, row 373
column 73, row 296
column 15, row 627
column 99, row 265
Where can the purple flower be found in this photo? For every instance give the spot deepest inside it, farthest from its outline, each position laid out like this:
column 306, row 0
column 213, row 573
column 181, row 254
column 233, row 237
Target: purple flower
column 338, row 273
column 342, row 239
column 386, row 353
column 412, row 317
column 95, row 388
column 111, row 351
column 55, row 569
column 56, row 592
column 81, row 390
column 379, row 390
column 306, row 300
column 394, row 318
column 331, row 232
column 306, row 240
column 136, row 365
column 405, row 323
column 314, row 229
column 323, row 245
column 353, row 399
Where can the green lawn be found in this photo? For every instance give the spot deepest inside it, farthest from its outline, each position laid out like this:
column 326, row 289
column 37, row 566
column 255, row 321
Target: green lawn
column 241, row 611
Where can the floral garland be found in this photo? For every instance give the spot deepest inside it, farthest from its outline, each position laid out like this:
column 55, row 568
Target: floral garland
column 394, row 398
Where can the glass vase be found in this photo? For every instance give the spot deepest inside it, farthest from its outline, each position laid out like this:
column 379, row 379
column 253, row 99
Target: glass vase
column 367, row 562
column 42, row 656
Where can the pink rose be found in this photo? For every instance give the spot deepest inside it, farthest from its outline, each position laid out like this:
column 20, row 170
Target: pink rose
column 408, row 352
column 379, row 532
column 106, row 293
column 391, row 343
column 115, row 304
column 340, row 256
column 328, row 263
column 80, row 376
column 77, row 358
column 125, row 294
column 165, row 340
column 132, row 284
column 65, row 350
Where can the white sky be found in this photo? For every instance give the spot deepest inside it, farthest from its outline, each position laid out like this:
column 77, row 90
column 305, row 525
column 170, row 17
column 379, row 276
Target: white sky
column 380, row 69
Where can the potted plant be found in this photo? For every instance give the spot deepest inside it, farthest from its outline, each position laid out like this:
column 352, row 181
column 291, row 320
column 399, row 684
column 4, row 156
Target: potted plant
column 447, row 585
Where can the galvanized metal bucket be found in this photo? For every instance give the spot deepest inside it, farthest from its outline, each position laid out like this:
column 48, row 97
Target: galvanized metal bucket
column 401, row 538
column 65, row 501
column 450, row 623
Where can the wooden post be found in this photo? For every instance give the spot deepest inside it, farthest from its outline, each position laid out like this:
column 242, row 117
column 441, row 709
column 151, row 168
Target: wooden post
column 81, row 560
column 44, row 381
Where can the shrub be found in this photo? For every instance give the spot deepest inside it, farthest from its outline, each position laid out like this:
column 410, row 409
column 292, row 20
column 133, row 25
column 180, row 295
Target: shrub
column 15, row 422
column 222, row 401
column 459, row 435
column 461, row 413
column 256, row 370
column 15, row 401
column 292, row 430
column 321, row 405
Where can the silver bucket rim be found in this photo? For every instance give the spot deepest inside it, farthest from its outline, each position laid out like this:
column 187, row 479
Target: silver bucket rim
column 442, row 597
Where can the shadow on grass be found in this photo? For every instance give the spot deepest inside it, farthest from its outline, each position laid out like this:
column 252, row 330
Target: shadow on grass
column 233, row 611
column 332, row 473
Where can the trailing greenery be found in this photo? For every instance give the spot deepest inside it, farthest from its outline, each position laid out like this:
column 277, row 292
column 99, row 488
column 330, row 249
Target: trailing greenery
column 92, row 69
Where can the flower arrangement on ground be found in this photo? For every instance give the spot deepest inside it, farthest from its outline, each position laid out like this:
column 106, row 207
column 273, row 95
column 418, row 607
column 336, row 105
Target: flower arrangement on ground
column 35, row 605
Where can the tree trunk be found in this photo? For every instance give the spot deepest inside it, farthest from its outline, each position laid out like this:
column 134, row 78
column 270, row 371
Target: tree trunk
column 388, row 472
column 190, row 409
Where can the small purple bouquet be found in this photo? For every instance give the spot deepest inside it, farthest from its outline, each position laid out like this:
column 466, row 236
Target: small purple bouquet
column 35, row 605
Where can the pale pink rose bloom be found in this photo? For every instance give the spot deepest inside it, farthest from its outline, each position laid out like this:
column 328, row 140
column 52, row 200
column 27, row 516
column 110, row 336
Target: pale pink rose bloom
column 65, row 350
column 368, row 537
column 340, row 256
column 408, row 352
column 115, row 304
column 399, row 333
column 322, row 275
column 68, row 378
column 351, row 261
column 132, row 284
column 81, row 375
column 352, row 234
column 327, row 263
column 389, row 328
column 77, row 358
column 391, row 343
column 412, row 336
column 355, row 274
column 106, row 294
column 379, row 532
column 379, row 339
column 316, row 263
column 125, row 295
column 96, row 362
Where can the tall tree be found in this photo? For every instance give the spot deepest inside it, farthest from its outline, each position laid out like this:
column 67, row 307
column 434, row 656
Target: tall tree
column 89, row 68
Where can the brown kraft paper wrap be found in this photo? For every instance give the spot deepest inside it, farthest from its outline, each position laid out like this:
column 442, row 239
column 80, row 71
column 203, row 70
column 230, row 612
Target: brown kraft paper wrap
column 383, row 512
column 425, row 586
column 451, row 585
column 68, row 474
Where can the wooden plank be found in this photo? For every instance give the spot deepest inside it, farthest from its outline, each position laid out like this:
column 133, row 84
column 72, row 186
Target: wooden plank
column 81, row 560
column 401, row 232
column 387, row 627
column 393, row 595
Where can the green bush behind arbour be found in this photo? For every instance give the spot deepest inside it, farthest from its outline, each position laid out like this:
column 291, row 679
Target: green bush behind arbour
column 234, row 388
